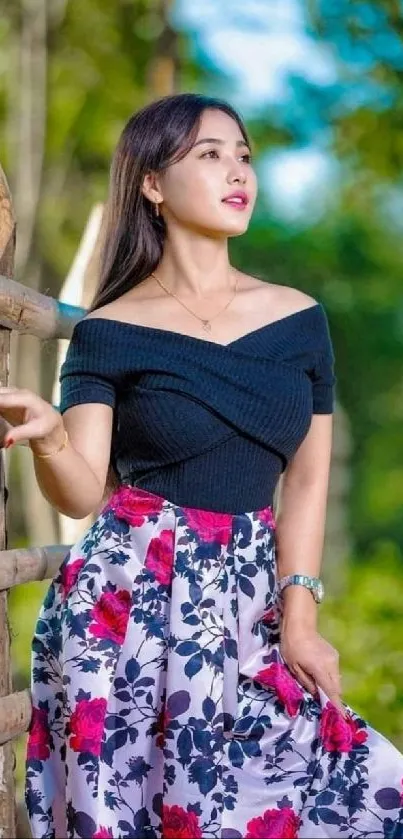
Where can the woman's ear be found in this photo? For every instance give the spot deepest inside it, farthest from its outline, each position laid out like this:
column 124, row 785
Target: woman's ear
column 150, row 188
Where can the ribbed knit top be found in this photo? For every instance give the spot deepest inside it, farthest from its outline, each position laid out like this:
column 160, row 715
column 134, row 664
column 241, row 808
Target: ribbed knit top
column 203, row 424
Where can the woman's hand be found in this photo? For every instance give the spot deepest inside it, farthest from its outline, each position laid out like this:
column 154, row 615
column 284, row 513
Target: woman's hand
column 32, row 418
column 313, row 661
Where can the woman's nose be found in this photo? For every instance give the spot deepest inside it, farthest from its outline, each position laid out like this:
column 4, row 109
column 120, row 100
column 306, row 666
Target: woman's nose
column 236, row 174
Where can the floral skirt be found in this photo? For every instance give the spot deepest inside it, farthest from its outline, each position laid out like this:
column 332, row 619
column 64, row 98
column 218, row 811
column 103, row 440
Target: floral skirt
column 162, row 706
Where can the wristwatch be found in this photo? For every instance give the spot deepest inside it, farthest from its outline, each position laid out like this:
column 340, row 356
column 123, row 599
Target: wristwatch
column 314, row 584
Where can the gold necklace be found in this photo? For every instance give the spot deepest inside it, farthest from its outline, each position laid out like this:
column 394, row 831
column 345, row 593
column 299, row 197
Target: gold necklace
column 206, row 322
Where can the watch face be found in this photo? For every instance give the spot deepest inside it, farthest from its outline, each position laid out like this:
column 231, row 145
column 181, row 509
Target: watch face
column 320, row 591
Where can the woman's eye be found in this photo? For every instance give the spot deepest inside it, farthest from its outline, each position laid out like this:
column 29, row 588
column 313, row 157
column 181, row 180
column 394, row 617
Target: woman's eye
column 211, row 152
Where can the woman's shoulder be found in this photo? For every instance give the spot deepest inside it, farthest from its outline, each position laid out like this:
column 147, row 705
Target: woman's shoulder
column 109, row 313
column 279, row 300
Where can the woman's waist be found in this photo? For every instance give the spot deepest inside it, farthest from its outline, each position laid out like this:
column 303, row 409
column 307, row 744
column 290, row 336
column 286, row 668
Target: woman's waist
column 210, row 483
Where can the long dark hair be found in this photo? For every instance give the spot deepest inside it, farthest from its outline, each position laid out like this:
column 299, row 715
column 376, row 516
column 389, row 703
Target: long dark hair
column 158, row 135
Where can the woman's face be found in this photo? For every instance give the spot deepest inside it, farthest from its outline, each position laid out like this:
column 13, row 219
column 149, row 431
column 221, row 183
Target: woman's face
column 213, row 189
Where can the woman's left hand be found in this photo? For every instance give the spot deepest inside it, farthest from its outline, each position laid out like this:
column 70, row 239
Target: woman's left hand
column 313, row 662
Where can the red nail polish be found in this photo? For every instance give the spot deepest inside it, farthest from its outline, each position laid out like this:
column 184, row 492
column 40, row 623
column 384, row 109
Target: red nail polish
column 9, row 443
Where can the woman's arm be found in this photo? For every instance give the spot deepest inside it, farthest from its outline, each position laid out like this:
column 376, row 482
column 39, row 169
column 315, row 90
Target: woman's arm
column 299, row 543
column 73, row 480
column 73, row 477
column 301, row 517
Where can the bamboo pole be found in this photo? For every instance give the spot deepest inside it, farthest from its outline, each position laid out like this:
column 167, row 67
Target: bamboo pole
column 15, row 715
column 7, row 785
column 25, row 310
column 26, row 565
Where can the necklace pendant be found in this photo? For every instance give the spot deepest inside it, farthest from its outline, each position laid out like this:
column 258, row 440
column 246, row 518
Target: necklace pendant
column 206, row 325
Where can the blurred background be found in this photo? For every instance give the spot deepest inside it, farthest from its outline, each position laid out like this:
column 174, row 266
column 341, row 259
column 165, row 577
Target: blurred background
column 320, row 86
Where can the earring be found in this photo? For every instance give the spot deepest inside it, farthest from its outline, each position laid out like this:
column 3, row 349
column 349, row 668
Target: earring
column 156, row 209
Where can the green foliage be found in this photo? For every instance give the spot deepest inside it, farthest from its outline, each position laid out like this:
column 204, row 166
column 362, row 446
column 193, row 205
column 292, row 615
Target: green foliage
column 352, row 263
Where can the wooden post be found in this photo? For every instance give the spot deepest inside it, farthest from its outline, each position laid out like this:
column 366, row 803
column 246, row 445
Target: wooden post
column 7, row 790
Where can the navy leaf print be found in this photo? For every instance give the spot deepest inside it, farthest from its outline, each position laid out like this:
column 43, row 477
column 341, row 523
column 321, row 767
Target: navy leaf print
column 132, row 670
column 201, row 740
column 83, row 825
column 89, row 664
column 302, row 781
column 329, row 816
column 236, row 754
column 139, row 770
column 187, row 648
column 203, row 772
column 195, row 593
column 194, row 665
column 157, row 803
column 82, row 695
column 50, row 595
column 391, row 830
column 128, row 830
column 388, row 798
column 123, row 695
column 209, row 708
column 111, row 800
column 325, row 797
column 178, row 703
column 33, row 800
column 184, row 746
column 247, row 587
column 251, row 748
column 249, row 569
column 41, row 674
column 283, row 743
column 192, row 620
column 114, row 721
column 231, row 648
column 142, row 820
column 108, row 748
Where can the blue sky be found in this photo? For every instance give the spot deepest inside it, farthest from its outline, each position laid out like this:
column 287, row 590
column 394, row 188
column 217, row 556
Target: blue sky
column 258, row 43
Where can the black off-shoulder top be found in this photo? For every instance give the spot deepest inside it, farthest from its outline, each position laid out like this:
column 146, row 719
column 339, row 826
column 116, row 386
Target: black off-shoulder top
column 203, row 424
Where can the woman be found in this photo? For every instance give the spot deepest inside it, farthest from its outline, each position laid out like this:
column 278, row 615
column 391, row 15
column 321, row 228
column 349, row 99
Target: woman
column 180, row 686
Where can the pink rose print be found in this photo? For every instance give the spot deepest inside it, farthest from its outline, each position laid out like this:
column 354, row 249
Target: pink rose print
column 103, row 833
column 269, row 616
column 69, row 575
column 110, row 616
column 178, row 823
column 286, row 687
column 266, row 516
column 338, row 734
column 38, row 738
column 274, row 823
column 133, row 505
column 160, row 556
column 87, row 725
column 210, row 526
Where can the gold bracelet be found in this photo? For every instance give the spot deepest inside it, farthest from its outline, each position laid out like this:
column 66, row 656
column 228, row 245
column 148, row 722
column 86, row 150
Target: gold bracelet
column 56, row 451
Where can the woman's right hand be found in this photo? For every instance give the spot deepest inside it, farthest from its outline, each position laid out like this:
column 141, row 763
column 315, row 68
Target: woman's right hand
column 32, row 418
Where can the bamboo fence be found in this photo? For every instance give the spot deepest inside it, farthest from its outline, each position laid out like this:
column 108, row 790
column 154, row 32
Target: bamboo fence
column 23, row 310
